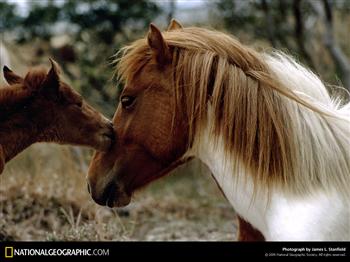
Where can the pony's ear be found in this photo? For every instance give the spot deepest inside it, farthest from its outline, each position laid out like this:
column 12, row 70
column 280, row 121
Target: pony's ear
column 174, row 25
column 11, row 77
column 52, row 80
column 158, row 45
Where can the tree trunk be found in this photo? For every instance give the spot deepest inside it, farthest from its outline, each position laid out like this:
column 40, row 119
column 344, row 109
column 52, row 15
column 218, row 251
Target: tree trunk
column 79, row 156
column 172, row 8
column 269, row 22
column 299, row 33
column 341, row 61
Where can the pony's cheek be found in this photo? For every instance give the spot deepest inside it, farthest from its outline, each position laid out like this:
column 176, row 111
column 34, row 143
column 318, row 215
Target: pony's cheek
column 135, row 167
column 102, row 163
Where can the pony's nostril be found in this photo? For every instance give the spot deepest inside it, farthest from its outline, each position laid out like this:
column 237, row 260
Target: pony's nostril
column 88, row 188
column 109, row 194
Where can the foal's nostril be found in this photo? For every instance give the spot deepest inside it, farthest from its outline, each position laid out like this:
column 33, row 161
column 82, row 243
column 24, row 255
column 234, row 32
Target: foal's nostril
column 111, row 127
column 110, row 132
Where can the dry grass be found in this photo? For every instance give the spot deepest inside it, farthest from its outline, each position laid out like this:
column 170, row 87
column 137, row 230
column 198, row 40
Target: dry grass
column 43, row 196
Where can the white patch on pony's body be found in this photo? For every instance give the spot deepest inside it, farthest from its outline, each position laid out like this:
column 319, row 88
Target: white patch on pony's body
column 321, row 213
column 319, row 216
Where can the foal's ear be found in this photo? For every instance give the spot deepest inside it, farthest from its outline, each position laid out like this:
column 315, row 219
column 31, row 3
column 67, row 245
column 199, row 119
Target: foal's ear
column 11, row 77
column 159, row 46
column 174, row 25
column 52, row 81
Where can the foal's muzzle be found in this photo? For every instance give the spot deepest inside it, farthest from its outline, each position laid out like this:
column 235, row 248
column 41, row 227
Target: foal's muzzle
column 106, row 137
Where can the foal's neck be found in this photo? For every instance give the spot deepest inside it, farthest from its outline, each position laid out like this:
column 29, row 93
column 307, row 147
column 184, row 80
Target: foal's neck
column 15, row 136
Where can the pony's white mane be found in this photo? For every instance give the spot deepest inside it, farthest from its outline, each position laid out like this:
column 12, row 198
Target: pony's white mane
column 323, row 143
column 301, row 80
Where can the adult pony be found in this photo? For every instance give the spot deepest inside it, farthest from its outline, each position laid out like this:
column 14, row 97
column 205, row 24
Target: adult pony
column 276, row 142
column 41, row 108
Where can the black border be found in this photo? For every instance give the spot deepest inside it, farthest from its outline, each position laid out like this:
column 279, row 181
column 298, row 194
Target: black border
column 183, row 251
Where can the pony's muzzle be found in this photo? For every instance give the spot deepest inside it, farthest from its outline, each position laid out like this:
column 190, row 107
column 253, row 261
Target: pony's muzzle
column 111, row 195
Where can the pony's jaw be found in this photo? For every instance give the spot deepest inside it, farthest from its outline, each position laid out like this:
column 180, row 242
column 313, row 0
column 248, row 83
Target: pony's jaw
column 114, row 186
column 114, row 175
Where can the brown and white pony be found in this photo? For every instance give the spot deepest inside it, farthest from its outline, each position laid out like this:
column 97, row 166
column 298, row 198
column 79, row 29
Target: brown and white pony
column 42, row 108
column 276, row 142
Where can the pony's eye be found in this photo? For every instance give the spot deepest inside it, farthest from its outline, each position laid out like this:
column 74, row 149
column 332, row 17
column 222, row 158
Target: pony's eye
column 127, row 101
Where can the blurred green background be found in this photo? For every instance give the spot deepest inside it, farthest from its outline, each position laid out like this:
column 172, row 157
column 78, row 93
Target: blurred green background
column 43, row 193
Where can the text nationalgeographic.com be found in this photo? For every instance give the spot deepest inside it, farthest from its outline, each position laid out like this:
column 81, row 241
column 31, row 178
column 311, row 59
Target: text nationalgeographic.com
column 17, row 252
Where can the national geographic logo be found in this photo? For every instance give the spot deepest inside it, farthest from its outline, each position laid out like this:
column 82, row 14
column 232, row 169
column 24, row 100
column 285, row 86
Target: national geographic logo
column 8, row 252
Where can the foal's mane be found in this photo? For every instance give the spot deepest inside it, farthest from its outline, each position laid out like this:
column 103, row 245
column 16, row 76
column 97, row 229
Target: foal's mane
column 269, row 120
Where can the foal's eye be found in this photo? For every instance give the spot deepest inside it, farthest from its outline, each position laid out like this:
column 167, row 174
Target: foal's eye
column 127, row 101
column 79, row 104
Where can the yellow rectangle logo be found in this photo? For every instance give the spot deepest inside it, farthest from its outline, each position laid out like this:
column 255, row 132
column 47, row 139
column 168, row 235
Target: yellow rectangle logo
column 8, row 252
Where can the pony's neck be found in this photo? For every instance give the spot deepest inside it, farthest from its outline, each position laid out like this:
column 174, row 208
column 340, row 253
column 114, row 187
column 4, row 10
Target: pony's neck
column 237, row 188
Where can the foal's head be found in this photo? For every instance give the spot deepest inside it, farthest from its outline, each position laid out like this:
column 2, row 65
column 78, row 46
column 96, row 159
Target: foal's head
column 53, row 111
column 150, row 138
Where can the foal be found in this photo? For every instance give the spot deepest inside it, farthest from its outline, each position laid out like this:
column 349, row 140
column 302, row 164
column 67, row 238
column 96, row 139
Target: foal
column 41, row 108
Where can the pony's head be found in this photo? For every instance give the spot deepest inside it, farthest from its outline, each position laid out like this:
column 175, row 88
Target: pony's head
column 53, row 111
column 150, row 138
